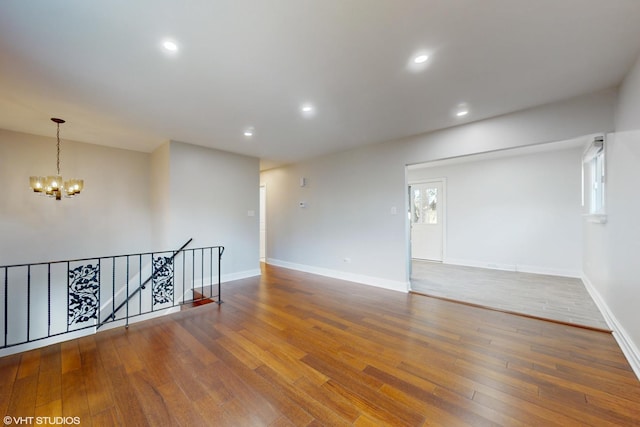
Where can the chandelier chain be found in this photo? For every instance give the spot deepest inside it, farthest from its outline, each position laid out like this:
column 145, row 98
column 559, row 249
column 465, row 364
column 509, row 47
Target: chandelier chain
column 58, row 154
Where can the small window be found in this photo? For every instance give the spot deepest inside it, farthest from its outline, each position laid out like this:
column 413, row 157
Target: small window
column 593, row 178
column 431, row 208
column 425, row 203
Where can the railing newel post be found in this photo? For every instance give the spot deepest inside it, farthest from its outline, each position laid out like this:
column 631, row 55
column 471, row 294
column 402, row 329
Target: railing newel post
column 140, row 287
column 28, row 302
column 48, row 299
column 113, row 286
column 202, row 273
column 153, row 273
column 173, row 280
column 220, row 252
column 68, row 302
column 193, row 274
column 211, row 271
column 184, row 279
column 99, row 291
column 127, row 321
column 6, row 306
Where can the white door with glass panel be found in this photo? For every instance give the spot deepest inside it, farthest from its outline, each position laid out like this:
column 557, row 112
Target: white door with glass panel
column 427, row 220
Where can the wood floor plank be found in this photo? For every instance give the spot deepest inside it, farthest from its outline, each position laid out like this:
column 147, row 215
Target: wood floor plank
column 297, row 395
column 295, row 349
column 211, row 413
column 51, row 409
column 322, row 393
column 153, row 404
column 434, row 415
column 49, row 377
column 522, row 416
column 125, row 398
column 107, row 418
column 19, row 404
column 70, row 356
column 429, row 397
column 74, row 396
column 179, row 405
column 49, row 387
column 95, row 379
column 383, row 413
column 29, row 364
column 8, row 370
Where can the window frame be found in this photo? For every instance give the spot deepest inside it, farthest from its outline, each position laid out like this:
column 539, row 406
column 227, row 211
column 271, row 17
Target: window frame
column 594, row 180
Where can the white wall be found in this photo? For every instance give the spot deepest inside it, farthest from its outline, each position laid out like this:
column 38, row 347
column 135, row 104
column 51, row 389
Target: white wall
column 211, row 193
column 132, row 201
column 350, row 194
column 517, row 212
column 160, row 197
column 628, row 108
column 347, row 216
column 612, row 249
column 111, row 216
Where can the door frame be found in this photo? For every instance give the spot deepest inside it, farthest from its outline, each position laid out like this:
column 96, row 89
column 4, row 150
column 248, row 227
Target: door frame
column 443, row 181
column 262, row 242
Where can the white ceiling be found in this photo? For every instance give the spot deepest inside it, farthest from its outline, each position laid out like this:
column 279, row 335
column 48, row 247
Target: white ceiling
column 242, row 63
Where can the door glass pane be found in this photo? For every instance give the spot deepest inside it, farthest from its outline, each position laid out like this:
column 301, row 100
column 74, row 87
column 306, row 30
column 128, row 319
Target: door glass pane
column 417, row 206
column 430, row 208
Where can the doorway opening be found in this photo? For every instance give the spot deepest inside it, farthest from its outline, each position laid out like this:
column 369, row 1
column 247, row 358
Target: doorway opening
column 263, row 223
column 512, row 236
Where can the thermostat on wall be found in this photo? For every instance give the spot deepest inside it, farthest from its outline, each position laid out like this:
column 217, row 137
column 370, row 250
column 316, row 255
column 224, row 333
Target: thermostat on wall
column 302, row 204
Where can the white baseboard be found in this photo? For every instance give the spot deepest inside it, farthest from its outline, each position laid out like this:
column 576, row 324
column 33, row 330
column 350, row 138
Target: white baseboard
column 351, row 277
column 515, row 267
column 139, row 318
column 230, row 277
column 561, row 272
column 628, row 347
column 47, row 341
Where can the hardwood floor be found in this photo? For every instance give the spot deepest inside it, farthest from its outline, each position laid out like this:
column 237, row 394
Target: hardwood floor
column 561, row 299
column 296, row 349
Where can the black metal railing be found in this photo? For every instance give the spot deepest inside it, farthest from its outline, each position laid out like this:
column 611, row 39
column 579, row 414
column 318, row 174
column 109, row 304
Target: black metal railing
column 51, row 299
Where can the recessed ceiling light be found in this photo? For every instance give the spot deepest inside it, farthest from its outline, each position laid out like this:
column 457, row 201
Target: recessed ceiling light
column 170, row 46
column 308, row 109
column 420, row 59
column 461, row 110
column 248, row 132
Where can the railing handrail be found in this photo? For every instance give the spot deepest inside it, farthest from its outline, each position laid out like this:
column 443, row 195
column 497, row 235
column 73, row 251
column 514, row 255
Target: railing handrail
column 144, row 284
column 97, row 257
column 89, row 292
